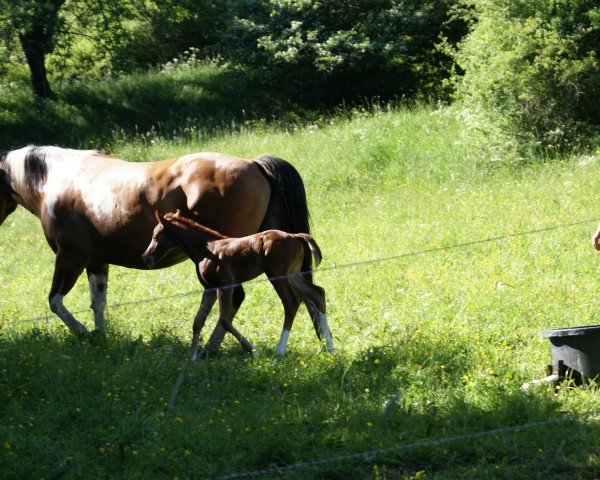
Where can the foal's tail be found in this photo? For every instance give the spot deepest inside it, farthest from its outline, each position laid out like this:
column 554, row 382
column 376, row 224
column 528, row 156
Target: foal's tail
column 312, row 245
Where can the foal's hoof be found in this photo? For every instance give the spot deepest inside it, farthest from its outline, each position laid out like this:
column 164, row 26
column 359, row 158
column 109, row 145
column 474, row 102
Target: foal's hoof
column 204, row 354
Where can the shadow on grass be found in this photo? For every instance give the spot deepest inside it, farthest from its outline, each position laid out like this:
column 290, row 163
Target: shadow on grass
column 201, row 101
column 77, row 409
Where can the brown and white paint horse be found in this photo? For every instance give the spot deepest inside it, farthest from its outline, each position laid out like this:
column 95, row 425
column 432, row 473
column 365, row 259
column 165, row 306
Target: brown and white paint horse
column 98, row 210
column 224, row 263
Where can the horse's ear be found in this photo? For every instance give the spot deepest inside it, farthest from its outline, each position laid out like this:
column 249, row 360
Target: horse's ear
column 178, row 213
column 156, row 214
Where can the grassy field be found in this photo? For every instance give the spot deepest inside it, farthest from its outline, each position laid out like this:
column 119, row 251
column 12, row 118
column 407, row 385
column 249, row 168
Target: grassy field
column 432, row 342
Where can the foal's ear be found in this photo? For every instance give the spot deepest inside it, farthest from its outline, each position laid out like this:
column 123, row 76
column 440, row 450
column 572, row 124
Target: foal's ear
column 157, row 216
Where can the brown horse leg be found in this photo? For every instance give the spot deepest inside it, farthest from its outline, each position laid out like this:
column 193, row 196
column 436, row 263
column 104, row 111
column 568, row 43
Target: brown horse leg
column 215, row 340
column 313, row 297
column 98, row 281
column 291, row 303
column 225, row 297
column 208, row 300
column 67, row 269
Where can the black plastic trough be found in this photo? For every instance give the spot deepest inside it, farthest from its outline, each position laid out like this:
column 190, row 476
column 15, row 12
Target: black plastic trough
column 575, row 351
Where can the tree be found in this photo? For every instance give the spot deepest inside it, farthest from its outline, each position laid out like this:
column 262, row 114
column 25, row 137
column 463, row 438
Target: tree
column 531, row 75
column 35, row 24
column 344, row 48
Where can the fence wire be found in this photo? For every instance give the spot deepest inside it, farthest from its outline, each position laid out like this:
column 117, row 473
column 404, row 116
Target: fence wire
column 359, row 263
column 371, row 455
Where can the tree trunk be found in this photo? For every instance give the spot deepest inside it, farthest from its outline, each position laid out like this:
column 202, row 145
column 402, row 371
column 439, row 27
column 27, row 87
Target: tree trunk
column 37, row 41
column 33, row 43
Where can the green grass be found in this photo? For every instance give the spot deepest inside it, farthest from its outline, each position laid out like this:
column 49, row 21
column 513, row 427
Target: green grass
column 179, row 104
column 430, row 345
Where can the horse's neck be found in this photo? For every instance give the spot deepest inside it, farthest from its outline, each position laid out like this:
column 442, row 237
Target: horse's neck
column 29, row 170
column 194, row 242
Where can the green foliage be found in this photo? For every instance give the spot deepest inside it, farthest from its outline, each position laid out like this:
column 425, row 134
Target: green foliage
column 321, row 51
column 185, row 100
column 335, row 49
column 531, row 75
column 164, row 29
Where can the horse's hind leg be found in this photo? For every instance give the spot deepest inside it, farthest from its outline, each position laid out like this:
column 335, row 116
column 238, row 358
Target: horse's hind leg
column 98, row 281
column 225, row 297
column 67, row 269
column 291, row 303
column 216, row 338
column 313, row 297
column 208, row 300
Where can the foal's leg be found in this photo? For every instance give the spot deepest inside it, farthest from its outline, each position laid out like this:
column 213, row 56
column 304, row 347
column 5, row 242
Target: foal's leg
column 313, row 297
column 98, row 281
column 68, row 267
column 225, row 297
column 216, row 338
column 291, row 303
column 208, row 300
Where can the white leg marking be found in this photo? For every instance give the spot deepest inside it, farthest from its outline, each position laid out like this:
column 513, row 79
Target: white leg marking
column 56, row 305
column 326, row 332
column 283, row 340
column 98, row 284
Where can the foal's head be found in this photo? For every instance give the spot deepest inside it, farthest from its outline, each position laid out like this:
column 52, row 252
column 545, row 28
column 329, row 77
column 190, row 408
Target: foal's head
column 161, row 243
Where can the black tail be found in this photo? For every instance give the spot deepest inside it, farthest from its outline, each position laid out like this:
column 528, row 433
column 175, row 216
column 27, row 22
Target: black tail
column 288, row 210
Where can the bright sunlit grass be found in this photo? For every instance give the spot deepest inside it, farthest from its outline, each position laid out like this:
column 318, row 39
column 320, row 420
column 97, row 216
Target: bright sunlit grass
column 431, row 344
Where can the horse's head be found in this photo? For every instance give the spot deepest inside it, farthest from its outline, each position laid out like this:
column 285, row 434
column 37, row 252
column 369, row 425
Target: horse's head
column 161, row 243
column 7, row 202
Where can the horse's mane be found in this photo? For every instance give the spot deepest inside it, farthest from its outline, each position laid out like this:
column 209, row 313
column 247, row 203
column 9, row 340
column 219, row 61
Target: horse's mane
column 29, row 166
column 192, row 224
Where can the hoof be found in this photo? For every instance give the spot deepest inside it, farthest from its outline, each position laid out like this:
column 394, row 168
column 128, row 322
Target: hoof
column 205, row 353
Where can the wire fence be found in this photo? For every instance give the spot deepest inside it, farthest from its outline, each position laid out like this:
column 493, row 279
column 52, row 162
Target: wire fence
column 368, row 455
column 359, row 263
column 372, row 455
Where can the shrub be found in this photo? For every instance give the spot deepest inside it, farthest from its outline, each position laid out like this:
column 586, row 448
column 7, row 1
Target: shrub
column 531, row 75
column 344, row 49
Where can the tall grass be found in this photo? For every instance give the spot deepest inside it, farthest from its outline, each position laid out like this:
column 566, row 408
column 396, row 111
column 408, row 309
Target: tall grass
column 431, row 344
column 176, row 103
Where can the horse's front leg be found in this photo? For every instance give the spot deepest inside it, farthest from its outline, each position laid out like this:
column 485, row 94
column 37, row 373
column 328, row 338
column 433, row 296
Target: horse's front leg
column 208, row 300
column 216, row 338
column 98, row 281
column 68, row 267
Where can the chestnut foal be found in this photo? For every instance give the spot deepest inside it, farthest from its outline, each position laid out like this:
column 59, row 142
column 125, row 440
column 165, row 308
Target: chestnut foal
column 224, row 263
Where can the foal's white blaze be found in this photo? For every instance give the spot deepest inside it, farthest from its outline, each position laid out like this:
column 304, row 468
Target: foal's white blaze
column 283, row 340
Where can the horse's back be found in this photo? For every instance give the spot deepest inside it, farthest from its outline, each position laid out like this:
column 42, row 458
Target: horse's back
column 115, row 200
